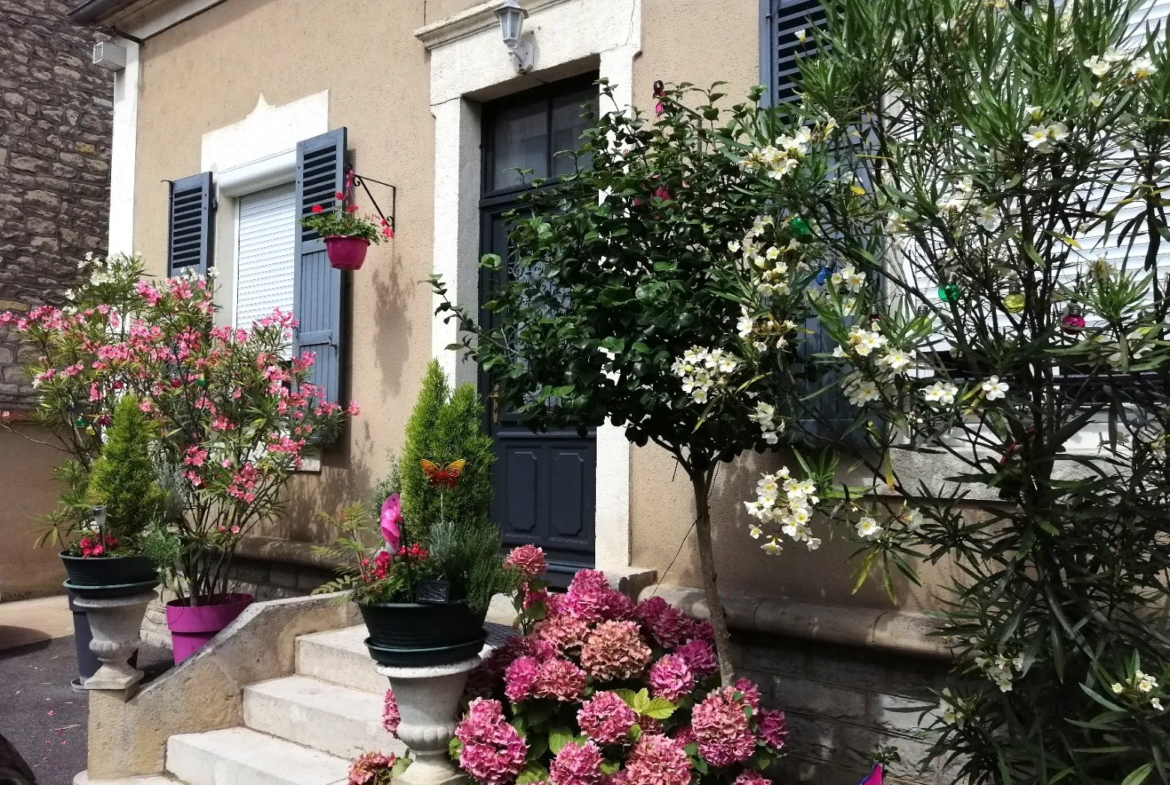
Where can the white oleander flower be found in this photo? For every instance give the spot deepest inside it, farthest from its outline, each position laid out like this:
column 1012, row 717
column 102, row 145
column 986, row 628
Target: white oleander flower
column 1057, row 132
column 772, row 547
column 862, row 392
column 994, row 389
column 1144, row 682
column 912, row 518
column 801, row 35
column 868, row 528
column 755, row 531
column 896, row 360
column 940, row 392
column 1095, row 100
column 1117, row 689
column 1037, row 138
column 1141, row 68
column 1099, row 66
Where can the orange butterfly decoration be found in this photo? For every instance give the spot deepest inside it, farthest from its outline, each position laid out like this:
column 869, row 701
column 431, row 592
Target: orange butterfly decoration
column 442, row 476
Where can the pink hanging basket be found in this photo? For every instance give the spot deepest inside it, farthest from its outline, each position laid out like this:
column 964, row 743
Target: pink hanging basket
column 346, row 253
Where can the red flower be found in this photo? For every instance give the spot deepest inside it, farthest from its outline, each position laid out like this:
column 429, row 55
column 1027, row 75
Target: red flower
column 339, row 195
column 318, row 208
column 353, row 208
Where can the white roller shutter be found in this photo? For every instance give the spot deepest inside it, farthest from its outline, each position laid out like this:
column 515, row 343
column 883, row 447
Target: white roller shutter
column 264, row 257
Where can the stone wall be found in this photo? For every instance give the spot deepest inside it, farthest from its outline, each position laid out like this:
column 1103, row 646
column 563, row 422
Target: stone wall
column 841, row 703
column 56, row 113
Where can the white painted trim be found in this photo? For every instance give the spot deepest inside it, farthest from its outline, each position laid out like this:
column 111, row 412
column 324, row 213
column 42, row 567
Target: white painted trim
column 469, row 61
column 258, row 175
column 123, row 152
column 150, row 23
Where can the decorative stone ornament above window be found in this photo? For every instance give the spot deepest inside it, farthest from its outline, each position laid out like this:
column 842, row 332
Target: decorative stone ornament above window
column 512, row 17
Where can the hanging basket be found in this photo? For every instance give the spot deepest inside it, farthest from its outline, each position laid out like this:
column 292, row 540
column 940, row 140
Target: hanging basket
column 346, row 253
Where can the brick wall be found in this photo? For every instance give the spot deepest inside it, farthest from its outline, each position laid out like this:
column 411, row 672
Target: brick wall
column 55, row 121
column 841, row 702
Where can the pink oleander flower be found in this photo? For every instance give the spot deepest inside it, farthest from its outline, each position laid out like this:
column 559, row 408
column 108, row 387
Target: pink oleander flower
column 700, row 657
column 722, row 729
column 559, row 679
column 390, row 715
column 668, row 626
column 657, row 760
column 751, row 777
column 575, row 765
column 591, row 598
column 565, row 632
column 615, row 650
column 606, row 718
column 528, row 560
column 773, row 727
column 493, row 751
column 372, row 768
column 751, row 693
column 520, row 677
column 671, row 678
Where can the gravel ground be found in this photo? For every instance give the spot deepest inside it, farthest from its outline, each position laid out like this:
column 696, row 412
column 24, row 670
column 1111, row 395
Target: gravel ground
column 41, row 715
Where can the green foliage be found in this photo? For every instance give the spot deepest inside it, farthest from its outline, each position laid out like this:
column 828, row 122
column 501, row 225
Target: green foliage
column 470, row 556
column 445, row 426
column 389, row 483
column 123, row 478
column 334, row 220
column 1007, row 148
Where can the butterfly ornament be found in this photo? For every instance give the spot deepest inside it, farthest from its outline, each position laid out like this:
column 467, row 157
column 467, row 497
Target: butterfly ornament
column 446, row 477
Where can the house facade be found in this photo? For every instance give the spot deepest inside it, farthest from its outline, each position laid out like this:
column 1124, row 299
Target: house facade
column 55, row 117
column 231, row 118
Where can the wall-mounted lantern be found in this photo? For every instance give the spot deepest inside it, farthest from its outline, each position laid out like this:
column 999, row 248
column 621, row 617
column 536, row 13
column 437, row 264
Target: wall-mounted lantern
column 511, row 17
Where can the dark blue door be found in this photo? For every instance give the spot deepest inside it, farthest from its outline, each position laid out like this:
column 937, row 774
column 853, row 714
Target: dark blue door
column 544, row 483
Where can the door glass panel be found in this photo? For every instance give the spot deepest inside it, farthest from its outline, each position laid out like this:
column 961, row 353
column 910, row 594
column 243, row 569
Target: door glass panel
column 520, row 141
column 568, row 125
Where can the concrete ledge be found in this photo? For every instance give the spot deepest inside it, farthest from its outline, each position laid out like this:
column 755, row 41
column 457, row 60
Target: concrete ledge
column 274, row 549
column 893, row 631
column 128, row 735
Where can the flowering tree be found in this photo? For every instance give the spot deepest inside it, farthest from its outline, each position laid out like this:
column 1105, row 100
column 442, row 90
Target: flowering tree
column 668, row 304
column 601, row 689
column 233, row 412
column 997, row 305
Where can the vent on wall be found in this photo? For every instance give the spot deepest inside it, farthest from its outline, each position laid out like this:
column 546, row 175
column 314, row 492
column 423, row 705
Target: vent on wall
column 109, row 55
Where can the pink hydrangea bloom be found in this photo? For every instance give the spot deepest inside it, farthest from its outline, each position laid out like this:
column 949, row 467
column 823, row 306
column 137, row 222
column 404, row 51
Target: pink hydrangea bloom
column 615, row 650
column 591, row 598
column 684, row 735
column 671, row 678
column 751, row 693
column 528, row 560
column 722, row 729
column 657, row 760
column 700, row 657
column 559, row 679
column 493, row 752
column 565, row 632
column 606, row 718
column 390, row 716
column 773, row 727
column 668, row 626
column 371, row 768
column 520, row 677
column 751, row 777
column 575, row 765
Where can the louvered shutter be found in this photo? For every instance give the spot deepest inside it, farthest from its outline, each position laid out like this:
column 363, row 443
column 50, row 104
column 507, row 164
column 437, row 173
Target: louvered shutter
column 319, row 289
column 191, row 233
column 779, row 46
column 264, row 259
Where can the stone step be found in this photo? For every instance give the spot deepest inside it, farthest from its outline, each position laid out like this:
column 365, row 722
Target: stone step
column 327, row 717
column 241, row 756
column 340, row 657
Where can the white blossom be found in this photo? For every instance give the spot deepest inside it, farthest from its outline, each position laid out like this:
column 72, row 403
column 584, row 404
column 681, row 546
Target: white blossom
column 1144, row 682
column 1099, row 66
column 994, row 389
column 896, row 360
column 1141, row 68
column 868, row 528
column 940, row 392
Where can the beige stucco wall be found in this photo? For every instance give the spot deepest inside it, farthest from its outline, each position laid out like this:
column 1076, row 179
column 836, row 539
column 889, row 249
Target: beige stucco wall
column 27, row 489
column 209, row 72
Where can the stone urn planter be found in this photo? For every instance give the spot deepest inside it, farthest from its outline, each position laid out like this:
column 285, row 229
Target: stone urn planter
column 409, row 634
column 428, row 703
column 115, row 623
column 192, row 626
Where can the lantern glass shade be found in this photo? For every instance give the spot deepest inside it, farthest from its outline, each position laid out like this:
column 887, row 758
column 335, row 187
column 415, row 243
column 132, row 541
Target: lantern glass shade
column 511, row 17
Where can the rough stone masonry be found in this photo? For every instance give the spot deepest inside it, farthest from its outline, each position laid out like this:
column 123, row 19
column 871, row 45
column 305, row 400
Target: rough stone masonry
column 55, row 123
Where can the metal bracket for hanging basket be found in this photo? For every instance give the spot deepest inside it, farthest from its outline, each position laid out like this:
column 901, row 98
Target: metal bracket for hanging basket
column 352, row 179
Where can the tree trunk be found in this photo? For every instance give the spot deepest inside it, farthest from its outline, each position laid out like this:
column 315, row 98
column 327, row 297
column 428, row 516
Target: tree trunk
column 701, row 481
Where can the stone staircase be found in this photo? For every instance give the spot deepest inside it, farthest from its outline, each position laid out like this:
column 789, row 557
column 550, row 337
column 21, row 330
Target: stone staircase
column 302, row 729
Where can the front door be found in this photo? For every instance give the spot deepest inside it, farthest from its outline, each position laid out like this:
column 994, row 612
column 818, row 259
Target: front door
column 544, row 483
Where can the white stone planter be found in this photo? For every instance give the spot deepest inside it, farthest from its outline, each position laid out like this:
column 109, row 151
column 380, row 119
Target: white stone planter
column 116, row 625
column 428, row 699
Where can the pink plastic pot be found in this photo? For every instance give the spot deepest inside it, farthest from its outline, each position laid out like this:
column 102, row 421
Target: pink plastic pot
column 346, row 253
column 192, row 627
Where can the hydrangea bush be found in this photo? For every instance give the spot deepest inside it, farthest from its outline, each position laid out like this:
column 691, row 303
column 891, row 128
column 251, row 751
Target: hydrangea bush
column 600, row 690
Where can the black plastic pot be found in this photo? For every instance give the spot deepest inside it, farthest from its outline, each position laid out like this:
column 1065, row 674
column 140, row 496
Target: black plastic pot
column 114, row 575
column 410, row 634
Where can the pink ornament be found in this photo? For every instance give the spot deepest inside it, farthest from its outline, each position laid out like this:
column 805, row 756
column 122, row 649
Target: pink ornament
column 1073, row 322
column 392, row 521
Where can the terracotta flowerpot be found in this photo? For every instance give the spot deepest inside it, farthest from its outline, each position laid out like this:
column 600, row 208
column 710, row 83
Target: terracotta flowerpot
column 346, row 253
column 408, row 634
column 191, row 627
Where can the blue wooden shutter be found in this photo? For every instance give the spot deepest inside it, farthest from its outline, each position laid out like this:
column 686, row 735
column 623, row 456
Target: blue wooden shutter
column 192, row 228
column 319, row 289
column 779, row 22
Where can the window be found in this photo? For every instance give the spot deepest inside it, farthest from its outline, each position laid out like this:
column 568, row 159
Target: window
column 265, row 245
column 779, row 45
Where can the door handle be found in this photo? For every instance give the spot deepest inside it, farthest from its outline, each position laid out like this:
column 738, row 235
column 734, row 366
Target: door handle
column 495, row 397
